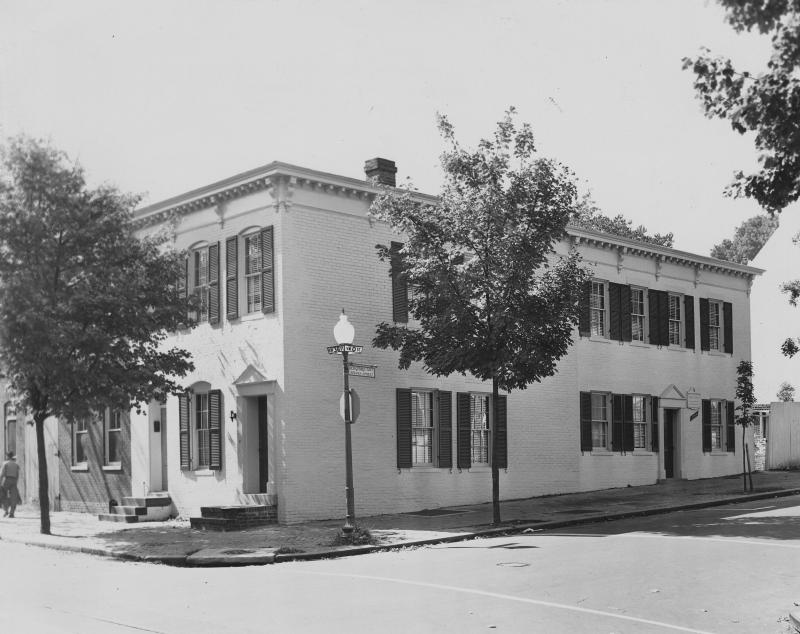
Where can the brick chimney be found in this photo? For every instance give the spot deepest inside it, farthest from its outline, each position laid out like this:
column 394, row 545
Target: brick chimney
column 381, row 169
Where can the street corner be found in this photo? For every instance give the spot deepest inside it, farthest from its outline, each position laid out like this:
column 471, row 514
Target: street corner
column 231, row 557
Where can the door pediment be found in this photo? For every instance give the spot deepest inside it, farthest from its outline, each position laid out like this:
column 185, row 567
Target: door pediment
column 672, row 397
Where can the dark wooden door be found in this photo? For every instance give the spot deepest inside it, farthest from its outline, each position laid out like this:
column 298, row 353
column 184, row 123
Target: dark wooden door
column 669, row 444
column 263, row 454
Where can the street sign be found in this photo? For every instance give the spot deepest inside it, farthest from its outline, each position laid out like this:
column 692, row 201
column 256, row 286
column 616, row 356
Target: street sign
column 344, row 347
column 360, row 369
column 355, row 405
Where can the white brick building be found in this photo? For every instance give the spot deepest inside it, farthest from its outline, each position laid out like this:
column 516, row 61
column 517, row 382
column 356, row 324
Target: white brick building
column 261, row 422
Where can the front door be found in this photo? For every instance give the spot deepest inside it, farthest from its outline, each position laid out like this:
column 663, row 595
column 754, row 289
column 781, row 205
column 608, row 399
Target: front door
column 669, row 443
column 263, row 471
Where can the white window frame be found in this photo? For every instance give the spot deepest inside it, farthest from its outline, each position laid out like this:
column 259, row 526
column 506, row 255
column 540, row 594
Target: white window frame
column 80, row 432
column 679, row 322
column 603, row 424
column 428, row 432
column 114, row 418
column 598, row 327
column 643, row 425
column 200, row 285
column 717, row 328
column 480, row 424
column 720, row 445
column 643, row 315
column 252, row 277
column 201, row 435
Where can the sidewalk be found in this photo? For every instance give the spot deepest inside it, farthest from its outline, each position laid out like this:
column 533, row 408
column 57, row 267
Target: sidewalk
column 174, row 542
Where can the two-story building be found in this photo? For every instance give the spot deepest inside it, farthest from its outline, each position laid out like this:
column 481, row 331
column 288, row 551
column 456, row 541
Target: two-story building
column 645, row 393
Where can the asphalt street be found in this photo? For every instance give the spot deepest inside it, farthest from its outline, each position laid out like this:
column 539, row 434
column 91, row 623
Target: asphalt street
column 726, row 569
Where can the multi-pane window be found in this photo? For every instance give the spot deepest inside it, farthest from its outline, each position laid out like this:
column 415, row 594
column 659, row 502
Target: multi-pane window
column 639, row 422
column 422, row 427
column 674, row 320
column 637, row 314
column 716, row 424
column 252, row 270
column 201, row 287
column 113, row 436
column 714, row 325
column 80, row 441
column 600, row 420
column 479, row 422
column 203, row 440
column 597, row 309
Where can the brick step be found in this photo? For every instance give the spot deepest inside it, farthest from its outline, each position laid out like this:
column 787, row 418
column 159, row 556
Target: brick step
column 237, row 512
column 115, row 517
column 228, row 524
column 148, row 500
column 123, row 509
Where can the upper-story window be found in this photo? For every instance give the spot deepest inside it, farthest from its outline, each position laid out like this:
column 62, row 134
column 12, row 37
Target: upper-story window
column 675, row 321
column 714, row 325
column 252, row 271
column 597, row 309
column 637, row 314
column 201, row 282
column 249, row 271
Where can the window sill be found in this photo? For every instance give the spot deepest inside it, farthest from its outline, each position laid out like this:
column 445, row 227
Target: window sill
column 204, row 472
column 718, row 353
column 113, row 468
column 80, row 467
column 250, row 316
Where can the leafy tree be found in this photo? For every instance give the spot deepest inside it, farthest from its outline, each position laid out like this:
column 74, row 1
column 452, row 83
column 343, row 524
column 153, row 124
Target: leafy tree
column 589, row 216
column 84, row 304
column 490, row 296
column 785, row 392
column 765, row 103
column 745, row 417
column 748, row 239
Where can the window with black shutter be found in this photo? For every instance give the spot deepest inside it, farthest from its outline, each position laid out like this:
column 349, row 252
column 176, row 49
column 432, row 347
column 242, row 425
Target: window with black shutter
column 445, row 430
column 213, row 283
column 267, row 271
column 184, row 432
column 232, row 277
column 704, row 338
column 653, row 319
column 614, row 312
column 730, row 427
column 616, row 422
column 463, row 431
column 727, row 328
column 706, row 413
column 586, row 421
column 584, row 323
column 654, row 418
column 403, row 428
column 501, row 433
column 627, row 423
column 688, row 311
column 215, row 425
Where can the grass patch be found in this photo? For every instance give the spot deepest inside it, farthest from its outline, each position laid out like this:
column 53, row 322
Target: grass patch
column 357, row 537
column 289, row 550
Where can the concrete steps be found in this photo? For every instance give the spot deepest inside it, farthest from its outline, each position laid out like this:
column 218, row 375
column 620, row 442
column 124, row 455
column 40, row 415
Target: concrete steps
column 233, row 518
column 155, row 507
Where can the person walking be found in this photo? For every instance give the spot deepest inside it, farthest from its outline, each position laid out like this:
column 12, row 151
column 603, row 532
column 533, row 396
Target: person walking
column 9, row 474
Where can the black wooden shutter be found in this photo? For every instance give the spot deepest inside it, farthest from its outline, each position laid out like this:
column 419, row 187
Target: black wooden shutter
column 627, row 423
column 403, row 428
column 706, row 425
column 213, row 283
column 727, row 316
column 463, row 431
column 663, row 317
column 688, row 310
column 614, row 326
column 232, row 278
column 445, row 429
column 586, row 421
column 616, row 425
column 399, row 285
column 655, row 332
column 584, row 322
column 654, row 424
column 730, row 427
column 184, row 431
column 215, row 424
column 625, row 312
column 501, row 432
column 705, row 344
column 267, row 271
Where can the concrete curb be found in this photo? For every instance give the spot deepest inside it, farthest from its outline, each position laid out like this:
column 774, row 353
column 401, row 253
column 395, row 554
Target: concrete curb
column 237, row 560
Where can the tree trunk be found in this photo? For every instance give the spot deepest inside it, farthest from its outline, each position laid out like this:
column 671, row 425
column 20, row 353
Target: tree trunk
column 495, row 470
column 44, row 493
column 749, row 467
column 744, row 467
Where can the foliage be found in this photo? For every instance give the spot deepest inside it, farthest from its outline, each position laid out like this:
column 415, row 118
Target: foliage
column 785, row 392
column 748, row 239
column 85, row 306
column 589, row 216
column 357, row 537
column 745, row 394
column 490, row 296
column 766, row 103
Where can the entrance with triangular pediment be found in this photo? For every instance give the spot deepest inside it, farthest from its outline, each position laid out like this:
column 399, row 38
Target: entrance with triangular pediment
column 671, row 404
column 253, row 407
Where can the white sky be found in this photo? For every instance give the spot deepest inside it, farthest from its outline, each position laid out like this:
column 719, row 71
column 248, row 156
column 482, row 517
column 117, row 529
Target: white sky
column 160, row 97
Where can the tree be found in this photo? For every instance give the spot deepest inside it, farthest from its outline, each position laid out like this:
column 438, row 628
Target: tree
column 748, row 239
column 785, row 392
column 490, row 296
column 764, row 103
column 589, row 216
column 84, row 304
column 745, row 417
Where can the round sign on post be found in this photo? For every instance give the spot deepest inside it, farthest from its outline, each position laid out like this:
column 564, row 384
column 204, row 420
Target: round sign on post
column 355, row 406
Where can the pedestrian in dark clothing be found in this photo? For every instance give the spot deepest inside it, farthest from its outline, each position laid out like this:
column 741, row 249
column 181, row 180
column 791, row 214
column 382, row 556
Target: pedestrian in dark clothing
column 9, row 475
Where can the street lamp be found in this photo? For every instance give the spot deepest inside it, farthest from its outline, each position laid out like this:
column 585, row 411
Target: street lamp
column 344, row 332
